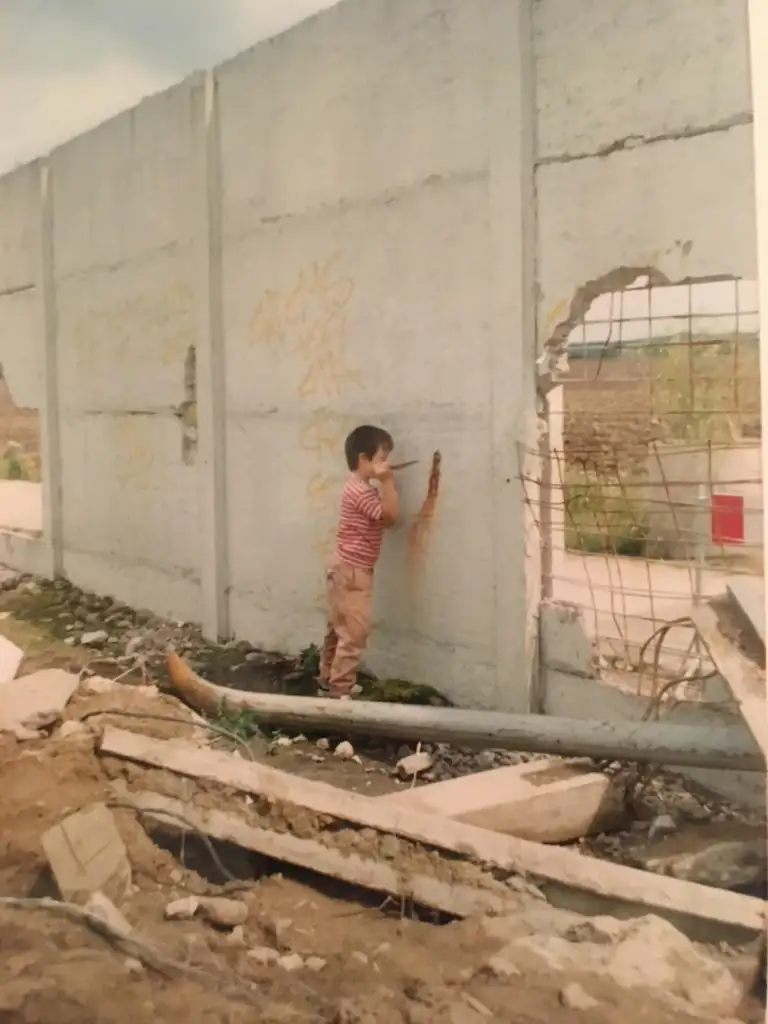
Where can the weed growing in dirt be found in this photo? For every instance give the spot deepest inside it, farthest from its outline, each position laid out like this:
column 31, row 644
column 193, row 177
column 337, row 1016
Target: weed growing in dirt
column 308, row 660
column 242, row 722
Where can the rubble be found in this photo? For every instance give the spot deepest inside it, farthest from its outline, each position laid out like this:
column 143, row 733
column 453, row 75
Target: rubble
column 103, row 908
column 544, row 800
column 414, row 764
column 183, row 909
column 682, row 900
column 11, row 658
column 518, row 952
column 223, row 912
column 573, row 997
column 86, row 854
column 36, row 701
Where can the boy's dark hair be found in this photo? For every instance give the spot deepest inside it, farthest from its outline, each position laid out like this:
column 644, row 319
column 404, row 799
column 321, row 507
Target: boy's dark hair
column 366, row 440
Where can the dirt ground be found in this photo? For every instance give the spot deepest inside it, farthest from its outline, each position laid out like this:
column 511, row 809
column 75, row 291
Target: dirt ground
column 383, row 964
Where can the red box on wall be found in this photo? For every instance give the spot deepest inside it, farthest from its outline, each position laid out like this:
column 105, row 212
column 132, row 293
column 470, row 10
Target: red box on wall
column 727, row 519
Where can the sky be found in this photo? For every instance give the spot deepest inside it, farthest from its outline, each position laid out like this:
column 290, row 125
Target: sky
column 66, row 65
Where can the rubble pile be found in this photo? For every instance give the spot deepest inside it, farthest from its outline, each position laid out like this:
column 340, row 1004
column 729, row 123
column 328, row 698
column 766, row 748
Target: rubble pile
column 148, row 851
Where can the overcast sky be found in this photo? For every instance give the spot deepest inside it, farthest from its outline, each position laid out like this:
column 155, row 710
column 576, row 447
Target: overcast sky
column 66, row 65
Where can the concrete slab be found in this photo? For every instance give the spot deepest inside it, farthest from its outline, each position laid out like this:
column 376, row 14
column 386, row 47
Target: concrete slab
column 11, row 658
column 86, row 855
column 21, row 506
column 749, row 595
column 36, row 700
column 544, row 801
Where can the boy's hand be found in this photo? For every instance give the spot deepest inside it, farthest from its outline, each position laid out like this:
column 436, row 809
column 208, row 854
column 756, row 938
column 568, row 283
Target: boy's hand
column 382, row 471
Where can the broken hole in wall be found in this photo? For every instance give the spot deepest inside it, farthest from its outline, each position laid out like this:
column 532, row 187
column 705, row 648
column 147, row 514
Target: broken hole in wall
column 20, row 463
column 186, row 412
column 654, row 451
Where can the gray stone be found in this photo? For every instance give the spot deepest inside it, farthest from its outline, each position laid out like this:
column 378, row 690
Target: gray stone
column 94, row 638
column 413, row 765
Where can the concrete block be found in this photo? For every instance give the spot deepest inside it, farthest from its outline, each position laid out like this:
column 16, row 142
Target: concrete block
column 564, row 641
column 87, row 855
column 11, row 657
column 36, row 700
column 545, row 801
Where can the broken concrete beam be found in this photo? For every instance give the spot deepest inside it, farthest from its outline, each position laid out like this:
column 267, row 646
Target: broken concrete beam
column 347, row 866
column 653, row 743
column 35, row 701
column 544, row 801
column 11, row 658
column 748, row 595
column 565, row 874
column 744, row 678
column 86, row 855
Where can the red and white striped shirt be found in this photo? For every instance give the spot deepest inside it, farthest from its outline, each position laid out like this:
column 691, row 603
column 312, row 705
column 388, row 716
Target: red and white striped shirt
column 358, row 540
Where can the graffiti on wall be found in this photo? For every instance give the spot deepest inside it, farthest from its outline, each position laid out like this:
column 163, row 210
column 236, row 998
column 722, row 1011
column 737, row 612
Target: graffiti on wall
column 310, row 320
column 162, row 315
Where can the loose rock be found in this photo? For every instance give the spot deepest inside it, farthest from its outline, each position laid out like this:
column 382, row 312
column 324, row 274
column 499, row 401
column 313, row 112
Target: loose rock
column 663, row 825
column 72, row 728
column 98, row 685
column 575, row 998
column 263, row 955
column 414, row 764
column 291, row 962
column 182, row 910
column 103, row 908
column 94, row 638
column 223, row 912
column 345, row 751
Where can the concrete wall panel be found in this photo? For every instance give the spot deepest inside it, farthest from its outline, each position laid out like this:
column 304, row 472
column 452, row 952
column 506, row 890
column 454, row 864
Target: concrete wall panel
column 622, row 72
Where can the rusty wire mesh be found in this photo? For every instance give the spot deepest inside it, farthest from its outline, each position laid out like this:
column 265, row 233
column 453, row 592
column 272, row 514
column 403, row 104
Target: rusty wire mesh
column 651, row 491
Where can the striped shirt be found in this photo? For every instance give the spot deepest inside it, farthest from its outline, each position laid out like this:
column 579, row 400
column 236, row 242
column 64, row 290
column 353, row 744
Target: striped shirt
column 358, row 540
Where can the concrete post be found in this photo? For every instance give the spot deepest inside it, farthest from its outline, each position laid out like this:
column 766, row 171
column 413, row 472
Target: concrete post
column 513, row 347
column 758, row 42
column 210, row 370
column 50, row 428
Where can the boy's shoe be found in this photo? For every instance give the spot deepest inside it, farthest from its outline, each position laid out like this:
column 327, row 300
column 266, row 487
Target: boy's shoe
column 324, row 691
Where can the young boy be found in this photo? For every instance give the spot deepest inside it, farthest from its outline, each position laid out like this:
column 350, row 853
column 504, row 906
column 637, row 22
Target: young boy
column 365, row 513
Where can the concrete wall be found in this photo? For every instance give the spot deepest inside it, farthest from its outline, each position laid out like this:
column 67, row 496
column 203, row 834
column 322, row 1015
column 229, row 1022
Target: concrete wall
column 341, row 225
column 334, row 227
column 644, row 165
column 644, row 145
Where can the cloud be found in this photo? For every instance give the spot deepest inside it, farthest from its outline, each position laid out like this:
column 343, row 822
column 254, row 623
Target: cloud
column 66, row 65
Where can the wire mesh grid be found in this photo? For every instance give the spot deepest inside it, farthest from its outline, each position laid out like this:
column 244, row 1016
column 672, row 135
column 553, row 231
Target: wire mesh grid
column 649, row 495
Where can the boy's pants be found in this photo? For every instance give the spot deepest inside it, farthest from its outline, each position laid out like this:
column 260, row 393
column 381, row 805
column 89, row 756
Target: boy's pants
column 349, row 590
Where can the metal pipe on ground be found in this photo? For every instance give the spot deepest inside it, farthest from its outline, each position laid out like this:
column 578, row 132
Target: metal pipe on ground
column 649, row 743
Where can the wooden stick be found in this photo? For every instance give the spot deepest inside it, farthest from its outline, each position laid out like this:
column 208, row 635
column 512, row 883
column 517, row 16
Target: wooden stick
column 686, row 903
column 652, row 743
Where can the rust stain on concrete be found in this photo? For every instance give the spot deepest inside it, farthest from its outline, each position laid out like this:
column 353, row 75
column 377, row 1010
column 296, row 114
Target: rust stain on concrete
column 421, row 528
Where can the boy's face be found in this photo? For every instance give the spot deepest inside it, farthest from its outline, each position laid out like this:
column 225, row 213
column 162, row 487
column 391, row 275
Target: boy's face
column 366, row 467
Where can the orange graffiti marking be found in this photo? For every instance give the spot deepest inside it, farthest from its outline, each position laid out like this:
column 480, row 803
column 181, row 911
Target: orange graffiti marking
column 421, row 527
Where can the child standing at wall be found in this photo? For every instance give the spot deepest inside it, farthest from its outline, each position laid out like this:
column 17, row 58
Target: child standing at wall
column 365, row 513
